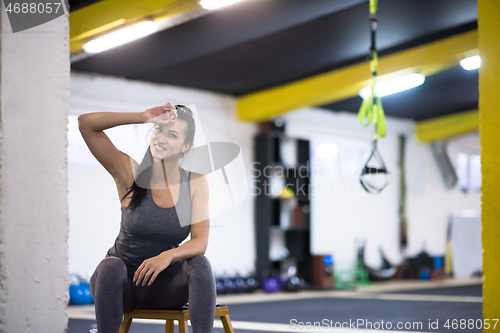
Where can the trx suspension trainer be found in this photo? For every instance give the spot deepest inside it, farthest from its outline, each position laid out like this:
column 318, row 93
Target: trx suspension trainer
column 371, row 110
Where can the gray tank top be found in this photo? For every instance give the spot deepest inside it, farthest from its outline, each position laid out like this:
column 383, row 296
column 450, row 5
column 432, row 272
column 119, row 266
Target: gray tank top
column 151, row 229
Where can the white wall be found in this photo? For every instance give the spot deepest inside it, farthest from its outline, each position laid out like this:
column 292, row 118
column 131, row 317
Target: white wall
column 346, row 214
column 93, row 199
column 429, row 202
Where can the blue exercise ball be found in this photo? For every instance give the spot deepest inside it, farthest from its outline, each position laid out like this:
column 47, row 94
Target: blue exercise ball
column 86, row 291
column 77, row 295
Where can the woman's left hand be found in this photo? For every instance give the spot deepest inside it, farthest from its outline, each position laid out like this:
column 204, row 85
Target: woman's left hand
column 150, row 268
column 164, row 114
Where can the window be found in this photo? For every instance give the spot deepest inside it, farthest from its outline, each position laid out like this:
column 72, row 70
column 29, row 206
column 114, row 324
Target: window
column 468, row 169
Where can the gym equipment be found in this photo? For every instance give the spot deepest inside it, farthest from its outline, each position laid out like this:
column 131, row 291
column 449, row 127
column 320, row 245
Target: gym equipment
column 229, row 285
column 322, row 271
column 79, row 291
column 251, row 284
column 371, row 108
column 362, row 276
column 374, row 177
column 425, row 274
column 221, row 288
column 345, row 279
column 79, row 294
column 271, row 284
column 386, row 272
column 240, row 285
column 403, row 219
column 86, row 290
column 294, row 284
column 438, row 263
column 282, row 280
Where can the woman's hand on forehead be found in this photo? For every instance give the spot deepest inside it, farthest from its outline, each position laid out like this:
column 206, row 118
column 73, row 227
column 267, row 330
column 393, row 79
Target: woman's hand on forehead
column 162, row 115
column 169, row 115
column 166, row 118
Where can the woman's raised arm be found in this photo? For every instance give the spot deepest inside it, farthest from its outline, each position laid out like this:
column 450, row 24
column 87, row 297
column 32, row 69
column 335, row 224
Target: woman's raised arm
column 92, row 126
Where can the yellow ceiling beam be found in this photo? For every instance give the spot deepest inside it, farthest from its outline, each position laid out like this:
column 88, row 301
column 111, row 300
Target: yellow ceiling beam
column 105, row 16
column 444, row 127
column 345, row 82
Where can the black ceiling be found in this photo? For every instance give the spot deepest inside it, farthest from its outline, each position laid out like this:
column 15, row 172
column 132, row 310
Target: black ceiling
column 77, row 4
column 258, row 44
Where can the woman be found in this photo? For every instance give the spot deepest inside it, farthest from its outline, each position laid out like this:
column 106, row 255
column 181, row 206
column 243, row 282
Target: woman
column 146, row 267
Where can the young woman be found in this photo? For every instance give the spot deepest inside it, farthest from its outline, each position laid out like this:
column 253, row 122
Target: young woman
column 146, row 268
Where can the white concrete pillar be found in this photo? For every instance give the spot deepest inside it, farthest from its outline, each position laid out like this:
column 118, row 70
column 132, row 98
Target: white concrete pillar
column 34, row 104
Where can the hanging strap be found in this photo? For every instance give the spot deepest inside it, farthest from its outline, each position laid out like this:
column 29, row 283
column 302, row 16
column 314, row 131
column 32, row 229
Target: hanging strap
column 371, row 109
column 367, row 170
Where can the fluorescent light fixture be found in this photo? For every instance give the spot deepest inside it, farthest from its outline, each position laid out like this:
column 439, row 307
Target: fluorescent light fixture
column 215, row 4
column 471, row 63
column 394, row 86
column 120, row 37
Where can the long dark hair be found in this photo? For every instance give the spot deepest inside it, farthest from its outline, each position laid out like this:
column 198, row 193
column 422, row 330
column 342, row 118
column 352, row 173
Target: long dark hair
column 145, row 170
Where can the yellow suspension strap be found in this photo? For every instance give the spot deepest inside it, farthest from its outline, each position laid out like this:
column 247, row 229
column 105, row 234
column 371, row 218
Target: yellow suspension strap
column 371, row 109
column 374, row 177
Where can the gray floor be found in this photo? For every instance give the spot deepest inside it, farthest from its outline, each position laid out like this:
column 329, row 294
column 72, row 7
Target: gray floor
column 474, row 290
column 349, row 309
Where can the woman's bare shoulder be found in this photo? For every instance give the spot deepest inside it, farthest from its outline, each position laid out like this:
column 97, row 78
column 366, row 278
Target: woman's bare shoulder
column 197, row 182
column 196, row 176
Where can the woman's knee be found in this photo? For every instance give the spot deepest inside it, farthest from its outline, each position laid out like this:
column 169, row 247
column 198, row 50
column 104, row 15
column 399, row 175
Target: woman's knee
column 111, row 269
column 199, row 266
column 201, row 262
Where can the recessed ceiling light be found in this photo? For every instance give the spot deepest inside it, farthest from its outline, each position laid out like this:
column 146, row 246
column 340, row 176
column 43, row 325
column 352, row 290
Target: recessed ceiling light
column 394, row 86
column 120, row 37
column 471, row 63
column 215, row 4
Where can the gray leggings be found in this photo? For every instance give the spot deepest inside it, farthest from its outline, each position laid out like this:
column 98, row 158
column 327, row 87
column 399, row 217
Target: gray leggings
column 183, row 281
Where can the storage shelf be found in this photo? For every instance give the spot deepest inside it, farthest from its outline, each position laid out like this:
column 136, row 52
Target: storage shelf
column 289, row 229
column 288, row 219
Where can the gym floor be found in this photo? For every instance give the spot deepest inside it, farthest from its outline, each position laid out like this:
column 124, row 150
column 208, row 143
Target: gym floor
column 410, row 303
